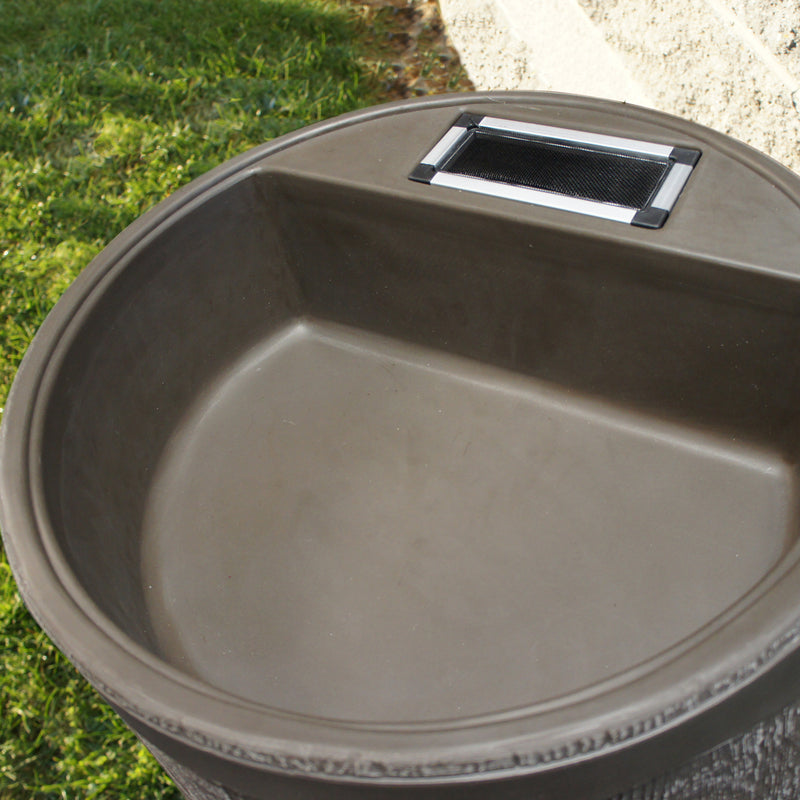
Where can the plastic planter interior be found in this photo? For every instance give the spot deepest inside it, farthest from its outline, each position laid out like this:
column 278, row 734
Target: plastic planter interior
column 340, row 476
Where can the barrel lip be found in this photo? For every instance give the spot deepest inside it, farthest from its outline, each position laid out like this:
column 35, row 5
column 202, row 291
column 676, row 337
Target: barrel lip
column 693, row 686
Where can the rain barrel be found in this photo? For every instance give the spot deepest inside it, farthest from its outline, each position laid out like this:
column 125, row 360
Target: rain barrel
column 446, row 449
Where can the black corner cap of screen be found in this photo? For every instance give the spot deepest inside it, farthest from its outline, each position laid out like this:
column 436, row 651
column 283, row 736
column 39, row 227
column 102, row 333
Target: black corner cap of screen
column 650, row 218
column 683, row 155
column 468, row 121
column 423, row 173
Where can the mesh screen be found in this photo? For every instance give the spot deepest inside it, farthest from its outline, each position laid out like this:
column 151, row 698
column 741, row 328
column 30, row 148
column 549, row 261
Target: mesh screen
column 618, row 178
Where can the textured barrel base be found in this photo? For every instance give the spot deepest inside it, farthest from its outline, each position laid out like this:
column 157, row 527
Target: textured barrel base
column 761, row 764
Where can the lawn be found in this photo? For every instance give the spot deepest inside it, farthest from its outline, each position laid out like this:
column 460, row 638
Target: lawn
column 107, row 107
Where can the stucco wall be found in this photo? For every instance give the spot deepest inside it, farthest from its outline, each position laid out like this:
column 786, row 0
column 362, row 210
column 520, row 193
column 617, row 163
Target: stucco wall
column 733, row 65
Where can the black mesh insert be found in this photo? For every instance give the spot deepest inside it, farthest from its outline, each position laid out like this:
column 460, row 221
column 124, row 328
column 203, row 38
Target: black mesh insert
column 618, row 178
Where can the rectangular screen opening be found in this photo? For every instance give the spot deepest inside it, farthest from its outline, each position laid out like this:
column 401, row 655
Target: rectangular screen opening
column 605, row 176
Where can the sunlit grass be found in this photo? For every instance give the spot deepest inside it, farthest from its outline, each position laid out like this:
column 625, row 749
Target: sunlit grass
column 107, row 107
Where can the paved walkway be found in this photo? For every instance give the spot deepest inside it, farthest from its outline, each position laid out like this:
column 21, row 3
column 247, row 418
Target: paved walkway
column 733, row 65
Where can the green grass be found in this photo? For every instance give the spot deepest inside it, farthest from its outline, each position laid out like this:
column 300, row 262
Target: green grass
column 107, row 107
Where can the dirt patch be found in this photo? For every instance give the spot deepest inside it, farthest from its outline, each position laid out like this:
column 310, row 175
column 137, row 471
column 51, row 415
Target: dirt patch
column 412, row 54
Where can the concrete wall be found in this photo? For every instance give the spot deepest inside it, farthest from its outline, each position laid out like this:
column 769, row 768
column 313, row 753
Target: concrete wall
column 733, row 65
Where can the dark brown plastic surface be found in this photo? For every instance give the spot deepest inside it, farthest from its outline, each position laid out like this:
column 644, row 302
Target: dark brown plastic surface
column 323, row 475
